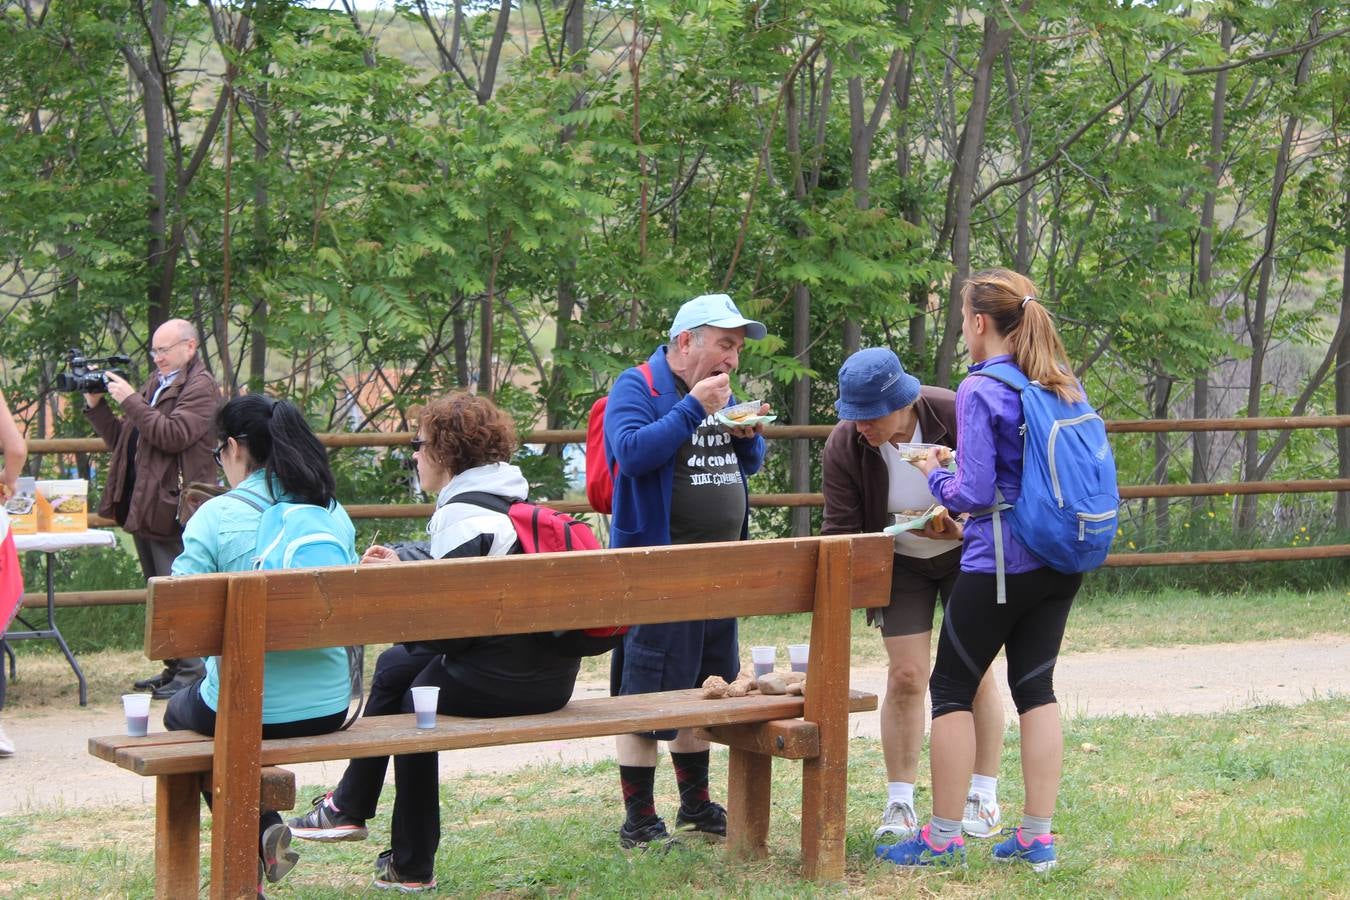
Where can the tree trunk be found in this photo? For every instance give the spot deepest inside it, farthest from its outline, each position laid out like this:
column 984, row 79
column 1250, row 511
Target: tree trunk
column 862, row 133
column 1343, row 384
column 961, row 191
column 910, row 208
column 573, row 42
column 1256, row 320
column 1162, row 393
column 156, row 166
column 461, row 348
column 799, row 465
column 1200, row 440
column 1021, row 122
column 257, row 359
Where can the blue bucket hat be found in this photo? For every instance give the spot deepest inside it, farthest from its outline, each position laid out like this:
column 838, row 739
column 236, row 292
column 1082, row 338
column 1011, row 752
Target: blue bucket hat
column 718, row 311
column 872, row 384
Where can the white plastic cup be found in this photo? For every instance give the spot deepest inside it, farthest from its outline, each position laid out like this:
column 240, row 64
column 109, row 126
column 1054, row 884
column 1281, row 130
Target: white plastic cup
column 798, row 654
column 137, row 708
column 763, row 659
column 425, row 699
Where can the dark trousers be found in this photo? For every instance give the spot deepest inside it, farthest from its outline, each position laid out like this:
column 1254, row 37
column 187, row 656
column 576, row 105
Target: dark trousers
column 157, row 558
column 415, row 830
column 188, row 711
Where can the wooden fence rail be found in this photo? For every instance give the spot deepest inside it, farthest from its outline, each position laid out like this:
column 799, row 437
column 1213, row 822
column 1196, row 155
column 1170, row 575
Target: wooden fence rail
column 779, row 432
column 820, row 432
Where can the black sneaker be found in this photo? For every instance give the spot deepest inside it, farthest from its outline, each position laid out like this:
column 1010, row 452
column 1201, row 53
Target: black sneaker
column 154, row 681
column 276, row 857
column 650, row 834
column 323, row 823
column 709, row 823
column 386, row 879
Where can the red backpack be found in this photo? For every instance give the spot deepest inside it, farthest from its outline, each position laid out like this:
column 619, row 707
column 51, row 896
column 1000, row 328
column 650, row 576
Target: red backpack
column 599, row 476
column 540, row 529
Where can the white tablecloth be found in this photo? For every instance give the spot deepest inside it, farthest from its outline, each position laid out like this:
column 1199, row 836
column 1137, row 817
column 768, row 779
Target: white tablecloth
column 51, row 541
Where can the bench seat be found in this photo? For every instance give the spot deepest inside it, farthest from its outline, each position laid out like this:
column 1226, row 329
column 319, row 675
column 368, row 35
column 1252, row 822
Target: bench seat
column 181, row 752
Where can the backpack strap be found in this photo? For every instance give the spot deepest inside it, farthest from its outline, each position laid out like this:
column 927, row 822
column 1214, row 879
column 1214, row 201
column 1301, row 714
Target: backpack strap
column 646, row 370
column 1016, row 379
column 1007, row 373
column 494, row 502
column 258, row 502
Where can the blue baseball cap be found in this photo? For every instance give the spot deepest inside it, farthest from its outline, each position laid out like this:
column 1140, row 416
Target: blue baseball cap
column 872, row 384
column 718, row 311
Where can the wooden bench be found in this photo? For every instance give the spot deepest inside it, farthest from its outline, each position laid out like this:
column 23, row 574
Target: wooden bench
column 240, row 616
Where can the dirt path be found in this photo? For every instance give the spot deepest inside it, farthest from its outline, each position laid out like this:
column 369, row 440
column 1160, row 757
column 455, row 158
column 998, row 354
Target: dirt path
column 53, row 768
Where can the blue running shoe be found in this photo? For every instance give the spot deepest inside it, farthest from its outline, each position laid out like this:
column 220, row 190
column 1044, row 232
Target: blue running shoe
column 919, row 850
column 1039, row 852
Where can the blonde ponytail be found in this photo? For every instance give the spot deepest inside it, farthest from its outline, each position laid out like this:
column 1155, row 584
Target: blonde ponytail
column 1010, row 301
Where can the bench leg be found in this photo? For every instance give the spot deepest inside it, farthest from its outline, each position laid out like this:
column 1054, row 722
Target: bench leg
column 178, row 822
column 824, row 798
column 749, row 780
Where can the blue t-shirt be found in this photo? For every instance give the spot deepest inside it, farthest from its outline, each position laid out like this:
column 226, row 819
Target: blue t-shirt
column 297, row 684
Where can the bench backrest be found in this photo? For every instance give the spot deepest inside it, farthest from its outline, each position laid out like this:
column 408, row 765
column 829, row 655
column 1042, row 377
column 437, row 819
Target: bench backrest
column 240, row 616
column 305, row 608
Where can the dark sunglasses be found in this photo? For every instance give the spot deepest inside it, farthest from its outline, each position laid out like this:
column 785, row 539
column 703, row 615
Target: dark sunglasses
column 417, row 443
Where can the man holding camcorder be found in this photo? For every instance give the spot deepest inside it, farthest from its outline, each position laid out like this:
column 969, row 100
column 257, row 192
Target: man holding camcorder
column 161, row 442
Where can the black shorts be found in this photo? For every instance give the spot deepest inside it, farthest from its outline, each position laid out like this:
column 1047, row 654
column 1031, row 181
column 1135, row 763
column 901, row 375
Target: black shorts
column 916, row 585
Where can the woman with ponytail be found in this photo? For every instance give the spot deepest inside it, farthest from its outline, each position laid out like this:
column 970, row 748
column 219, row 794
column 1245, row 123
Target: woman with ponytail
column 269, row 455
column 1003, row 323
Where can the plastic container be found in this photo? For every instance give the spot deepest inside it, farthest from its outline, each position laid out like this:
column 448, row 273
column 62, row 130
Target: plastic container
column 63, row 505
column 23, row 507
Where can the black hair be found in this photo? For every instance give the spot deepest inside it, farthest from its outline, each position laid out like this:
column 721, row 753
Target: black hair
column 280, row 442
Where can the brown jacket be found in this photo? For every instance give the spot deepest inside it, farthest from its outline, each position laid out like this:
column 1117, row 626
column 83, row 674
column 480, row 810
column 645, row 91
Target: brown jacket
column 857, row 483
column 173, row 447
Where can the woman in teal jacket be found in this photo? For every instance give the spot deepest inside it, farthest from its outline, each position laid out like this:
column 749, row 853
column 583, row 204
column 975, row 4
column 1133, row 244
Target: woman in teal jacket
column 269, row 455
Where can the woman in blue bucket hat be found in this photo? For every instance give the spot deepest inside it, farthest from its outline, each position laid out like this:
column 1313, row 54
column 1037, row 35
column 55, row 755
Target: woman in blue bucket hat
column 882, row 409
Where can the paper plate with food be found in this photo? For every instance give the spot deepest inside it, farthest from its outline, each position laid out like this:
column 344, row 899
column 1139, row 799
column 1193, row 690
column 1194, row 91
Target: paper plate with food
column 913, row 519
column 744, row 415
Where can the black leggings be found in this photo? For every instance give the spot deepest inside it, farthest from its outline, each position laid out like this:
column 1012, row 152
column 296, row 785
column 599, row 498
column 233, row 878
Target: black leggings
column 187, row 711
column 1030, row 625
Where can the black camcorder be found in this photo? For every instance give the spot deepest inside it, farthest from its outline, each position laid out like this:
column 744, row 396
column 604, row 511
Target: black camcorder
column 85, row 375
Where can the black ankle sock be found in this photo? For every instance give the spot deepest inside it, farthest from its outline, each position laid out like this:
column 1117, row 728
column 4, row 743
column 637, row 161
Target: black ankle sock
column 637, row 782
column 691, row 774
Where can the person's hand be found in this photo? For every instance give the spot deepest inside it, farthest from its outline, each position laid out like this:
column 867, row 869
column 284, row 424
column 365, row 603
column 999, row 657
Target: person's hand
column 92, row 400
column 378, row 555
column 749, row 431
column 118, row 388
column 937, row 458
column 713, row 392
column 8, row 483
column 942, row 527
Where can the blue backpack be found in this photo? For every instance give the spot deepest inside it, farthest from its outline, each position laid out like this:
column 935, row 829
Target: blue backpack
column 1066, row 513
column 301, row 536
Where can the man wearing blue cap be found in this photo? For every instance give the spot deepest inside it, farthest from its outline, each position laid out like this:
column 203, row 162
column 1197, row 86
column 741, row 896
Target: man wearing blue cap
column 881, row 406
column 680, row 479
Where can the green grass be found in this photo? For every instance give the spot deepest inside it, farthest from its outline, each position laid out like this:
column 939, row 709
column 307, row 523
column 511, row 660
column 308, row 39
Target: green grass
column 1239, row 804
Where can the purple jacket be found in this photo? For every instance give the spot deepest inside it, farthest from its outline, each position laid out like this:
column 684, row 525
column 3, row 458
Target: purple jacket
column 988, row 453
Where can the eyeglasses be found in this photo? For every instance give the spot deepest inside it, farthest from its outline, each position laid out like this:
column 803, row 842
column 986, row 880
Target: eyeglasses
column 215, row 454
column 156, row 352
column 417, row 443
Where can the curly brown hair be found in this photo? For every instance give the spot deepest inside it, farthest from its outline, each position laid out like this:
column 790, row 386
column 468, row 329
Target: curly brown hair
column 464, row 430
